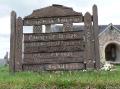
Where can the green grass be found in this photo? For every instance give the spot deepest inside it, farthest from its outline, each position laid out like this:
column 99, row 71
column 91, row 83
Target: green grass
column 60, row 80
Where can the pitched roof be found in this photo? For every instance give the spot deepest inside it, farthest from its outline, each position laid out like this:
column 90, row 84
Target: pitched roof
column 108, row 27
column 103, row 27
column 53, row 11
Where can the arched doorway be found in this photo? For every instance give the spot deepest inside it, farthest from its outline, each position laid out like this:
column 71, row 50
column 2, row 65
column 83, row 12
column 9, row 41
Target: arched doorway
column 111, row 52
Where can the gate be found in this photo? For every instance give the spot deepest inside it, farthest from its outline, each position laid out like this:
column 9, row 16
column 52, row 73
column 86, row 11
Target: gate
column 66, row 50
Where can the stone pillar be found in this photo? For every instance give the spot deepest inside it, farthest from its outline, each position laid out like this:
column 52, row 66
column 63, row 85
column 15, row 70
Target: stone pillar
column 48, row 28
column 19, row 37
column 67, row 27
column 89, row 47
column 37, row 29
column 12, row 42
column 96, row 42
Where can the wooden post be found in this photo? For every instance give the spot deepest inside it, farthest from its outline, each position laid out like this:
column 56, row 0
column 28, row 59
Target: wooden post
column 96, row 42
column 67, row 27
column 48, row 28
column 37, row 29
column 12, row 42
column 88, row 39
column 19, row 37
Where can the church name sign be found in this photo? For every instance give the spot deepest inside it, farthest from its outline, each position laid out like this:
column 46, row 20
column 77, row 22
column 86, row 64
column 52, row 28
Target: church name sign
column 55, row 20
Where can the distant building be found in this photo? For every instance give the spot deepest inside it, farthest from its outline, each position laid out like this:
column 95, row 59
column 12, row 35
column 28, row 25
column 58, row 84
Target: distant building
column 4, row 61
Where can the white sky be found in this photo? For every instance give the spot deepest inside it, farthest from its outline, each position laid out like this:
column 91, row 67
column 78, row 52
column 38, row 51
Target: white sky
column 108, row 11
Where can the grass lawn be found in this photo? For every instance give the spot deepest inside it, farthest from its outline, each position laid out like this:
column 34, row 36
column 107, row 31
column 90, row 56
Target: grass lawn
column 60, row 80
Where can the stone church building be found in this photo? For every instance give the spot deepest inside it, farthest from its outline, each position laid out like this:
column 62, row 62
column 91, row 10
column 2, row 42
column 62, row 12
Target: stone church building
column 109, row 41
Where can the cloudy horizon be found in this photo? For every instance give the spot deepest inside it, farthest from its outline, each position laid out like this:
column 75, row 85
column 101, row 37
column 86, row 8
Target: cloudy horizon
column 107, row 13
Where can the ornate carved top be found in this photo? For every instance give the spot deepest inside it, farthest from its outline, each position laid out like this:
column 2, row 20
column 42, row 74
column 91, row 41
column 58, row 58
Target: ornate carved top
column 53, row 11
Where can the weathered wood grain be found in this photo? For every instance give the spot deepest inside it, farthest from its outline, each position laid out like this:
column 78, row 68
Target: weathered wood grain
column 53, row 55
column 53, row 49
column 55, row 67
column 67, row 27
column 37, row 29
column 53, row 36
column 54, row 43
column 12, row 42
column 19, row 38
column 54, row 60
column 96, row 32
column 55, row 20
column 89, row 47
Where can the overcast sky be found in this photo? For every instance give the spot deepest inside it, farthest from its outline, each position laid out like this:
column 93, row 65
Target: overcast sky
column 108, row 11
